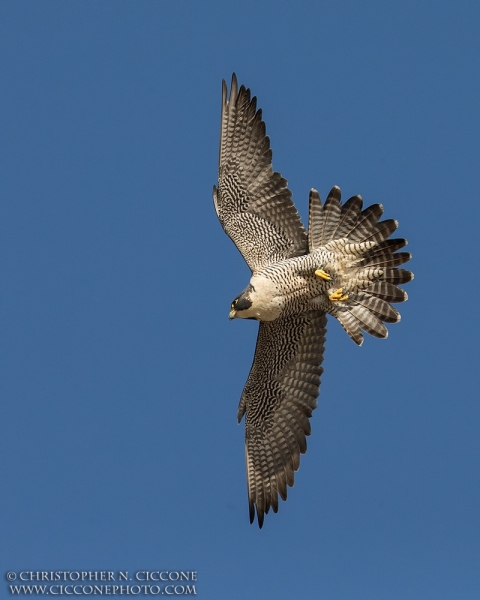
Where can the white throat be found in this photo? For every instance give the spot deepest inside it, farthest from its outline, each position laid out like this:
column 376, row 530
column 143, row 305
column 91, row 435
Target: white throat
column 267, row 301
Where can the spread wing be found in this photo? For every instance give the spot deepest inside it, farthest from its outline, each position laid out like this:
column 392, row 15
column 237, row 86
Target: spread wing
column 278, row 399
column 252, row 202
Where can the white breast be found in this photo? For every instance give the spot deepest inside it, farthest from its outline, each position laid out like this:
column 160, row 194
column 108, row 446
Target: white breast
column 267, row 299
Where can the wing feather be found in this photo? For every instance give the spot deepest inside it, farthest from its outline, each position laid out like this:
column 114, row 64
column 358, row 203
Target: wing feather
column 278, row 399
column 252, row 202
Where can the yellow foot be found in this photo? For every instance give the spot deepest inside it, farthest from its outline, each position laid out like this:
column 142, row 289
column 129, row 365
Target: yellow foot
column 338, row 296
column 321, row 273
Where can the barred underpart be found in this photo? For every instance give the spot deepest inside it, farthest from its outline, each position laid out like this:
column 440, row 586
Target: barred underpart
column 346, row 265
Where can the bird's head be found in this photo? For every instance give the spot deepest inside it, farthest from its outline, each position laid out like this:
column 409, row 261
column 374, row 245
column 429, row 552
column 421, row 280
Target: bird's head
column 260, row 300
column 241, row 307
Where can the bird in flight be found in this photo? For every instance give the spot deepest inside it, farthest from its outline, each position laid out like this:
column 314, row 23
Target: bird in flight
column 345, row 266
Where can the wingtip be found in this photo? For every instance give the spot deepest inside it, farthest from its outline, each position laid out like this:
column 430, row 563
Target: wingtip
column 260, row 518
column 224, row 92
column 251, row 512
column 233, row 88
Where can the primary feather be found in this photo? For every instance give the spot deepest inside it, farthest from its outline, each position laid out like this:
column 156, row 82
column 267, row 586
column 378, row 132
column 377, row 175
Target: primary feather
column 345, row 266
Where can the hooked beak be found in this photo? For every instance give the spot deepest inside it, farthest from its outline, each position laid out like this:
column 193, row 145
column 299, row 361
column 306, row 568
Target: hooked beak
column 232, row 314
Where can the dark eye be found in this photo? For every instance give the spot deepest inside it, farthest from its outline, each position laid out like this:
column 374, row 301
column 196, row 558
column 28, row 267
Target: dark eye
column 233, row 304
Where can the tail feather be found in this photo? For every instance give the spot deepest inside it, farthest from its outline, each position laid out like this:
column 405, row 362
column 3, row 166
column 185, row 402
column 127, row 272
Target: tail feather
column 367, row 220
column 397, row 276
column 390, row 245
column 387, row 291
column 387, row 260
column 331, row 214
column 323, row 221
column 365, row 263
column 368, row 321
column 351, row 326
column 382, row 231
column 379, row 307
column 350, row 213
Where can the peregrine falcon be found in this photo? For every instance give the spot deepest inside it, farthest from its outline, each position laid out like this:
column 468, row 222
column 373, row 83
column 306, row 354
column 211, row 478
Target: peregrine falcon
column 345, row 266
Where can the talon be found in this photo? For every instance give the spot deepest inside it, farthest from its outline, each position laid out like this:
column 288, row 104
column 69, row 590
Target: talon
column 321, row 273
column 338, row 296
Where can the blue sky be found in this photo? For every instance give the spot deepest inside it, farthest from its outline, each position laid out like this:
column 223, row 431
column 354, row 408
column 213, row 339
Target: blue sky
column 120, row 372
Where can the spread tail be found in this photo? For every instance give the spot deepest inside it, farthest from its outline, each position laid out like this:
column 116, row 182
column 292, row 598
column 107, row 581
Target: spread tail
column 368, row 274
